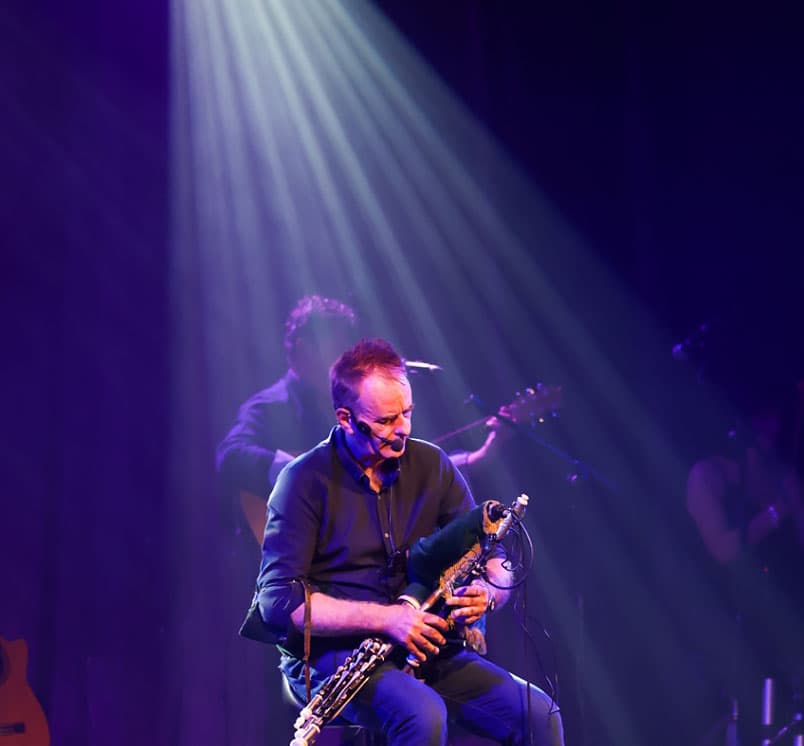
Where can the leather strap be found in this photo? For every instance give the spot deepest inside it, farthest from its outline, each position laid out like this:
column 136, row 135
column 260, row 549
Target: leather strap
column 307, row 628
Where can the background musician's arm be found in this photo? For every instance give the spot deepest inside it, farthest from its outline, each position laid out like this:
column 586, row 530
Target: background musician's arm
column 497, row 433
column 244, row 458
column 247, row 465
column 706, row 486
column 706, row 489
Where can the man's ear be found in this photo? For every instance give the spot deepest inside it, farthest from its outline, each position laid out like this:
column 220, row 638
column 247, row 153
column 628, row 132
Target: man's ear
column 344, row 419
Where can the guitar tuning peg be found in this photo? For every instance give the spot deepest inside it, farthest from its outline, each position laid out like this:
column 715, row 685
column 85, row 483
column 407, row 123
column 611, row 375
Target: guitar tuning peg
column 531, row 391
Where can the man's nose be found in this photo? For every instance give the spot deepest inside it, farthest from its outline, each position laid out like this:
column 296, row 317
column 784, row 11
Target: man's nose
column 402, row 426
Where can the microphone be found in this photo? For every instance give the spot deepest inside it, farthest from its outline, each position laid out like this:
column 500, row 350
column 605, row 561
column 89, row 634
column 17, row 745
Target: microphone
column 396, row 444
column 695, row 342
column 414, row 366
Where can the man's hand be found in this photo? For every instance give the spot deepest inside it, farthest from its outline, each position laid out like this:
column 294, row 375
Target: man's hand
column 419, row 631
column 498, row 433
column 470, row 602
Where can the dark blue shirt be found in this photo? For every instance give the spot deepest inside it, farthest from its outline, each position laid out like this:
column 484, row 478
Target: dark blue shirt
column 287, row 415
column 327, row 524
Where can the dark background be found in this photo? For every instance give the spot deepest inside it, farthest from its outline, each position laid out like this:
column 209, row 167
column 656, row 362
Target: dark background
column 670, row 138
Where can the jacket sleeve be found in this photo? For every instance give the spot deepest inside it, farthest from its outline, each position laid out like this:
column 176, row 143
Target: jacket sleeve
column 288, row 548
column 245, row 457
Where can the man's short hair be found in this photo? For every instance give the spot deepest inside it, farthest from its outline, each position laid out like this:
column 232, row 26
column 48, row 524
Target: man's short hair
column 357, row 363
column 313, row 311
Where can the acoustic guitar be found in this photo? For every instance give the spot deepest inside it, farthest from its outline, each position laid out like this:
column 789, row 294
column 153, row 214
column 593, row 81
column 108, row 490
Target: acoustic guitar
column 22, row 720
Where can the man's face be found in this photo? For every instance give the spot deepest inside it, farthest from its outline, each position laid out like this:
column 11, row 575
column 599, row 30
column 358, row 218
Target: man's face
column 385, row 404
column 311, row 357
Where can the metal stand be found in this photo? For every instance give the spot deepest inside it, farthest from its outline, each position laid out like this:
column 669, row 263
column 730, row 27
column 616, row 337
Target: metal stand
column 794, row 727
column 726, row 725
column 732, row 736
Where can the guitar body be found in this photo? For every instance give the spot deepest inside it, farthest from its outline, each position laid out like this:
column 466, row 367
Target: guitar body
column 22, row 720
column 253, row 507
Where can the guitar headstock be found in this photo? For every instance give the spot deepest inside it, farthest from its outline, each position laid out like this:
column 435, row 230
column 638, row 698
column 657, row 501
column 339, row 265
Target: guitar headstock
column 534, row 405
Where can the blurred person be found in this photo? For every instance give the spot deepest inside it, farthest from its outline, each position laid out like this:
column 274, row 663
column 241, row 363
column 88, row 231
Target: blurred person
column 747, row 503
column 288, row 416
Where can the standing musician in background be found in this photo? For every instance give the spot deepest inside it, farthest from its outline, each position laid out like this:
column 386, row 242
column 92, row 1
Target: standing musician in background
column 748, row 506
column 272, row 426
column 340, row 519
column 288, row 417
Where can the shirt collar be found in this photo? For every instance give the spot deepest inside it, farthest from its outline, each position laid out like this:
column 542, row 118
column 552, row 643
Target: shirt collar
column 389, row 467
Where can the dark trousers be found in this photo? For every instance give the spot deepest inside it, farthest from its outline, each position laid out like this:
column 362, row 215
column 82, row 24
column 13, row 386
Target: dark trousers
column 465, row 687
